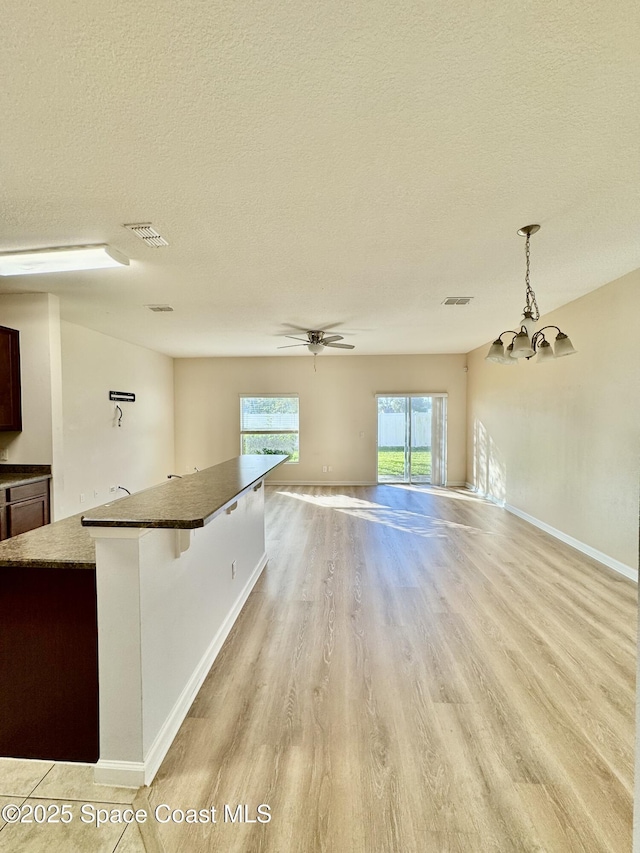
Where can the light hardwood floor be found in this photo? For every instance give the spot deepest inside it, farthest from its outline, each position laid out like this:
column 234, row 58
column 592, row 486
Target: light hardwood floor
column 417, row 670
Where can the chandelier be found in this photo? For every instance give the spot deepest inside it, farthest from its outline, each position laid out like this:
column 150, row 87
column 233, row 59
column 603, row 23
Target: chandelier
column 526, row 341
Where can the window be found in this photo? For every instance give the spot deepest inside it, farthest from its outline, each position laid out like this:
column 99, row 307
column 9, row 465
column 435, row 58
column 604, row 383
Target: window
column 269, row 425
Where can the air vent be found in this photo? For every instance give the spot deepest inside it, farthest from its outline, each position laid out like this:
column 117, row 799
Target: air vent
column 148, row 234
column 457, row 300
column 159, row 308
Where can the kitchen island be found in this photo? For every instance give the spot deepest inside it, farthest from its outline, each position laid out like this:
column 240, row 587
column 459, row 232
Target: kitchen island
column 117, row 616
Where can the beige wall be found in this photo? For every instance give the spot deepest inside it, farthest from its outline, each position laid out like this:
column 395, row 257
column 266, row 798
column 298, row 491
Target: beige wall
column 559, row 441
column 337, row 404
column 98, row 453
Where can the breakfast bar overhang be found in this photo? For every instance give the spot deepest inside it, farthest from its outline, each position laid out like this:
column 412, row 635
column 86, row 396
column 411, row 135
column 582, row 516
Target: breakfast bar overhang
column 174, row 566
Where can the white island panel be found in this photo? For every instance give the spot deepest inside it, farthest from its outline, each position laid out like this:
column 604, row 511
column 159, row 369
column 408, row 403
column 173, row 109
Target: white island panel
column 163, row 615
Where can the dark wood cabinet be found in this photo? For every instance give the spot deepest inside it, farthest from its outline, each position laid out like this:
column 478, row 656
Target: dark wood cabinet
column 24, row 508
column 27, row 515
column 10, row 396
column 49, row 664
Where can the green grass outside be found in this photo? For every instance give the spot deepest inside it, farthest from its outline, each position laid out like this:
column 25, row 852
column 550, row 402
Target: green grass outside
column 391, row 462
column 271, row 444
column 294, row 455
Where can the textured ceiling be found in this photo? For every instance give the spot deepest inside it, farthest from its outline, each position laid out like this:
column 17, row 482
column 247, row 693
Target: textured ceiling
column 321, row 164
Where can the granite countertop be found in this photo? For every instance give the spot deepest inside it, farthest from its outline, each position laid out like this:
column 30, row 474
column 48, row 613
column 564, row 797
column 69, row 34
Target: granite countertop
column 181, row 503
column 20, row 475
column 188, row 502
column 65, row 544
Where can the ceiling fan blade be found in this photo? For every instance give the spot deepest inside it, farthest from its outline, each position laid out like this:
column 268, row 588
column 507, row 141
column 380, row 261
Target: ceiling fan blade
column 289, row 346
column 332, row 338
column 324, row 326
column 339, row 346
column 293, row 338
column 295, row 328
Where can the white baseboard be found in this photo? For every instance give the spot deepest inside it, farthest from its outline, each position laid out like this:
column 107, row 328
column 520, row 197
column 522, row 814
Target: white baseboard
column 321, row 483
column 123, row 774
column 485, row 495
column 131, row 774
column 600, row 556
column 452, row 484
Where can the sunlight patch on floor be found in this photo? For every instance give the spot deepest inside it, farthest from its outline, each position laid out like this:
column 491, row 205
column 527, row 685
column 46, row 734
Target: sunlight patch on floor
column 449, row 492
column 332, row 501
column 427, row 526
column 407, row 521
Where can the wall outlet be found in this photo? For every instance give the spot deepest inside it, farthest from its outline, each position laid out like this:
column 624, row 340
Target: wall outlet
column 113, row 489
column 233, row 570
column 81, row 497
column 324, row 469
column 4, row 454
column 330, row 468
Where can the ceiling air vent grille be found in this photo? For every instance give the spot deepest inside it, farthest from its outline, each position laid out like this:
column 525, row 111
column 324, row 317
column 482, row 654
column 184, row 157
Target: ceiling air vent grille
column 457, row 300
column 148, row 234
column 158, row 308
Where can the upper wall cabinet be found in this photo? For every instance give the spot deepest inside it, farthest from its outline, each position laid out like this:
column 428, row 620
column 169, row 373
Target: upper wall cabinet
column 10, row 398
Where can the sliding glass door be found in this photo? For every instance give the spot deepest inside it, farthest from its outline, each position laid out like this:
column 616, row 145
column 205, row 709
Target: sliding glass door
column 412, row 438
column 420, row 439
column 393, row 440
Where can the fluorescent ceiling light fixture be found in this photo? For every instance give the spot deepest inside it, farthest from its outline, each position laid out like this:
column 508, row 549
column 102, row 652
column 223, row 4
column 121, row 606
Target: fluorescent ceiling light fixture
column 64, row 259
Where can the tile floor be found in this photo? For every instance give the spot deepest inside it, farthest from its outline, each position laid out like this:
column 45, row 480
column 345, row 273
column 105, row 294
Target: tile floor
column 46, row 784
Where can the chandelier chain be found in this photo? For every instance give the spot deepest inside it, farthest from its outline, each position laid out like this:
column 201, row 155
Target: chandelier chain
column 532, row 304
column 526, row 341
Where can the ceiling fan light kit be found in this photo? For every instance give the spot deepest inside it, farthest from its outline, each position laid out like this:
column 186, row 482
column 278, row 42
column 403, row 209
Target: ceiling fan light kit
column 526, row 341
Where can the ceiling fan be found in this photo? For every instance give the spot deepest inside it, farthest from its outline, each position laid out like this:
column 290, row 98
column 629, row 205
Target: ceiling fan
column 317, row 340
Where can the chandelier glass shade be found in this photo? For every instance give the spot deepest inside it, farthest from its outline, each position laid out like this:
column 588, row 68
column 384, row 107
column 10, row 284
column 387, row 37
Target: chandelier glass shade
column 526, row 341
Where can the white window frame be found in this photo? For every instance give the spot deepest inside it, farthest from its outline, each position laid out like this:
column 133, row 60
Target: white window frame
column 244, row 432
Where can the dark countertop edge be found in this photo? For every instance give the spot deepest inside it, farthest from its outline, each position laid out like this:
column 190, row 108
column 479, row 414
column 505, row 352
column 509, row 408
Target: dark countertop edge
column 22, row 480
column 10, row 468
column 249, row 487
column 149, row 524
column 30, row 563
column 176, row 524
